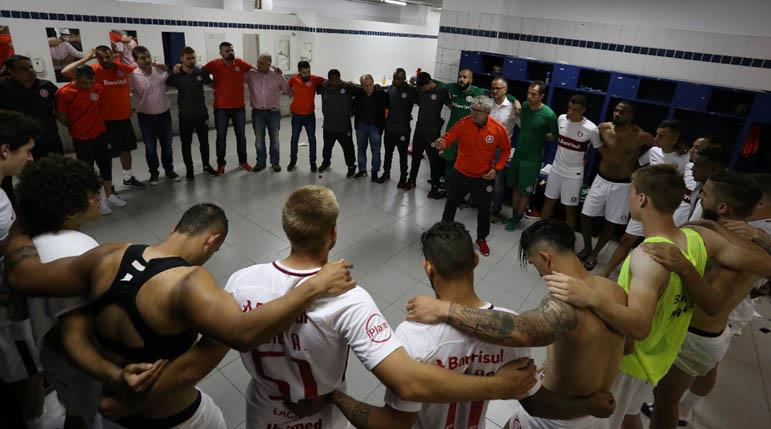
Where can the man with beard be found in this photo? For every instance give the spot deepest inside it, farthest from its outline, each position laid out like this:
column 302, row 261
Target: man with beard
column 622, row 143
column 228, row 73
column 537, row 122
column 401, row 98
column 303, row 86
column 726, row 196
column 117, row 106
column 462, row 94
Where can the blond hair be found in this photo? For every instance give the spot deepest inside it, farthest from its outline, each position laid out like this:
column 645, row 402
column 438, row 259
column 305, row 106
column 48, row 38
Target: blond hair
column 309, row 215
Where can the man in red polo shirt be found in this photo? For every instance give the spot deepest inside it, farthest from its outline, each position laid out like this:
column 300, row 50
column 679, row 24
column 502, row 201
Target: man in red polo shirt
column 303, row 86
column 113, row 77
column 228, row 75
column 478, row 137
column 79, row 106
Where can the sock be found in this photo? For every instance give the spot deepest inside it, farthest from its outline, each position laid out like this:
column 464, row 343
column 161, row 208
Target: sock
column 688, row 402
column 36, row 422
column 127, row 174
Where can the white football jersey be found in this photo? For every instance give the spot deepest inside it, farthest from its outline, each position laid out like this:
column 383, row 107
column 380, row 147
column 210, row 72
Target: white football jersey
column 446, row 347
column 681, row 213
column 574, row 140
column 310, row 357
column 656, row 156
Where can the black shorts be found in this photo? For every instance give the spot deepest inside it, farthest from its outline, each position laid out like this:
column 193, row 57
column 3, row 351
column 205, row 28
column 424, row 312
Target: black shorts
column 121, row 136
column 96, row 150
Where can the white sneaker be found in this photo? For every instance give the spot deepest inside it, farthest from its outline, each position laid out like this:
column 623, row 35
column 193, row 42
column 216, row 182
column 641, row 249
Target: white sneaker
column 116, row 201
column 104, row 208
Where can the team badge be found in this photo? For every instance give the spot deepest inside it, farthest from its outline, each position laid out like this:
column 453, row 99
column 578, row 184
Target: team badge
column 489, row 139
column 94, row 96
column 404, row 95
column 515, row 424
column 580, row 133
column 529, row 189
column 342, row 90
column 573, row 199
column 199, row 78
column 120, row 73
column 489, row 188
column 469, row 98
column 402, row 138
column 377, row 328
column 44, row 93
column 309, row 83
column 237, row 68
column 433, row 96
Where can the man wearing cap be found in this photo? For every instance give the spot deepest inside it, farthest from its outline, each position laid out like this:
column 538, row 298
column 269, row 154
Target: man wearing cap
column 478, row 137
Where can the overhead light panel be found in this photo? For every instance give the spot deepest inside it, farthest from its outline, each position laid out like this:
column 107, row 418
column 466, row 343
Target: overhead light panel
column 396, row 2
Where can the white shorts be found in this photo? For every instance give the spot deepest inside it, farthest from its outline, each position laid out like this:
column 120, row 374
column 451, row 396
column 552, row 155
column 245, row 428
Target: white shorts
column 77, row 391
column 635, row 227
column 742, row 315
column 207, row 415
column 520, row 419
column 608, row 199
column 261, row 415
column 630, row 393
column 699, row 354
column 567, row 189
column 19, row 358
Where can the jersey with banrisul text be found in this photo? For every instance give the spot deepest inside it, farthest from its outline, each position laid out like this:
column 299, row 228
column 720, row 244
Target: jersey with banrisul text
column 573, row 142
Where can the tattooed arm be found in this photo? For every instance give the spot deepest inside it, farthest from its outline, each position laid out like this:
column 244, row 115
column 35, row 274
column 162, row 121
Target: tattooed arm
column 538, row 327
column 366, row 416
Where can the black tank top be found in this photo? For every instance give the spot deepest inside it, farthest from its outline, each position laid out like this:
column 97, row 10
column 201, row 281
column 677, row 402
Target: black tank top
column 133, row 273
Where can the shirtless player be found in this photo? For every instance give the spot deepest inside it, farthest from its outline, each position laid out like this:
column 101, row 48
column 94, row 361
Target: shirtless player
column 170, row 300
column 659, row 303
column 583, row 354
column 726, row 196
column 622, row 144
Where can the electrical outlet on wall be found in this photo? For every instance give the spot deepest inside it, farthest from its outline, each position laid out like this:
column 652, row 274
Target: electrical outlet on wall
column 37, row 64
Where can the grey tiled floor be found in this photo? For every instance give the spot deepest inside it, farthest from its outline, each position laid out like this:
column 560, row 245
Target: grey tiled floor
column 379, row 228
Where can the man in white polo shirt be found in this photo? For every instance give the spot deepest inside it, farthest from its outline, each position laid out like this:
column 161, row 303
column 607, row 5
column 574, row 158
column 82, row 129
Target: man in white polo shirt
column 567, row 171
column 506, row 110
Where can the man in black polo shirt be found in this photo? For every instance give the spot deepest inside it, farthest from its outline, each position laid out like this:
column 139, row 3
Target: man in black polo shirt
column 370, row 107
column 25, row 93
column 432, row 98
column 337, row 106
column 401, row 98
column 193, row 115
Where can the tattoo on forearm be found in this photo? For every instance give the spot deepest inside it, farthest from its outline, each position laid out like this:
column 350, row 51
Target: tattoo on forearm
column 13, row 259
column 537, row 327
column 355, row 411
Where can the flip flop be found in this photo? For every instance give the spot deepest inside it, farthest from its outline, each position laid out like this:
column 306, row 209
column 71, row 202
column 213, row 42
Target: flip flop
column 589, row 265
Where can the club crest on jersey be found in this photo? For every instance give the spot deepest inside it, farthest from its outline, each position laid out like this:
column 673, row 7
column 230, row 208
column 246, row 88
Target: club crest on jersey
column 404, row 95
column 469, row 98
column 580, row 133
column 94, row 96
column 489, row 189
column 342, row 90
column 120, row 73
column 433, row 96
column 44, row 93
column 489, row 139
column 529, row 189
column 402, row 138
column 573, row 199
column 377, row 328
column 515, row 424
column 309, row 83
column 199, row 78
column 237, row 68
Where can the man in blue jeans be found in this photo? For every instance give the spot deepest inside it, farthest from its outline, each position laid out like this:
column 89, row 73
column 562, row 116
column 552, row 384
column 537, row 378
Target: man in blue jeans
column 266, row 84
column 303, row 86
column 148, row 82
column 370, row 107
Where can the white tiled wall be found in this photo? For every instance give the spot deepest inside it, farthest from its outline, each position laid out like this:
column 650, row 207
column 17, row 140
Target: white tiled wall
column 450, row 45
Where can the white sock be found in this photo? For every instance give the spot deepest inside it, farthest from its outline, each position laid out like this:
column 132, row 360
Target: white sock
column 36, row 423
column 688, row 402
column 127, row 174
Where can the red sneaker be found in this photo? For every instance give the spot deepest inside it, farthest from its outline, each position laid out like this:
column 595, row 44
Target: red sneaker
column 484, row 249
column 245, row 166
column 220, row 171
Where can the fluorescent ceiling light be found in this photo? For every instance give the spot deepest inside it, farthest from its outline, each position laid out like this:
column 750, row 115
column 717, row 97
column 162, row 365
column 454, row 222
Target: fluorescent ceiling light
column 396, row 2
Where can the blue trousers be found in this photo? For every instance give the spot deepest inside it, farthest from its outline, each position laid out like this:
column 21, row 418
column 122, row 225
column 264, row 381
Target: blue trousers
column 368, row 134
column 298, row 122
column 262, row 119
column 157, row 129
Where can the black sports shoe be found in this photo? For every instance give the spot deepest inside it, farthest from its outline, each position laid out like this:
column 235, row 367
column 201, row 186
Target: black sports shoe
column 436, row 194
column 190, row 175
column 402, row 183
column 153, row 179
column 647, row 409
column 174, row 177
column 376, row 179
column 385, row 177
column 410, row 185
column 351, row 172
column 209, row 170
column 291, row 166
column 361, row 174
column 134, row 183
column 276, row 167
column 324, row 167
column 258, row 168
column 313, row 167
